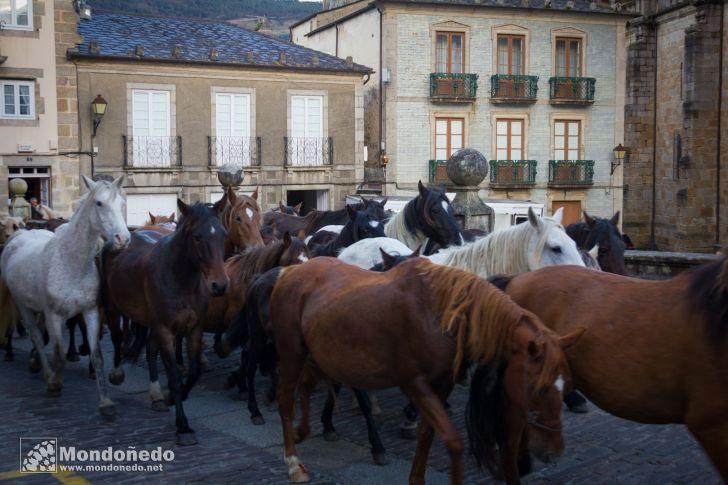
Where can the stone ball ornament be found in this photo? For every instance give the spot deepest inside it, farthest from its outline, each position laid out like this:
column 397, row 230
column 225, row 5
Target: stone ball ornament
column 18, row 186
column 230, row 174
column 467, row 167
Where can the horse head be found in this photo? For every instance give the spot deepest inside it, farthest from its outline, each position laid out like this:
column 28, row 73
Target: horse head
column 433, row 215
column 375, row 209
column 605, row 233
column 105, row 205
column 363, row 224
column 549, row 245
column 295, row 251
column 204, row 240
column 242, row 219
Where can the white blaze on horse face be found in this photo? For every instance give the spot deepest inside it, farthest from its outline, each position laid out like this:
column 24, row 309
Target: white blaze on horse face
column 559, row 384
column 249, row 211
column 212, row 229
column 445, row 206
column 302, row 258
column 374, row 223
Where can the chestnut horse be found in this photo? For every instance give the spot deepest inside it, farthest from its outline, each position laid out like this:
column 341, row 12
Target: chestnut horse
column 242, row 219
column 163, row 283
column 419, row 326
column 654, row 351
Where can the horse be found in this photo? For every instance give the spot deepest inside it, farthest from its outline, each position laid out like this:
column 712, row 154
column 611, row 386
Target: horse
column 329, row 317
column 242, row 220
column 55, row 274
column 8, row 226
column 163, row 284
column 315, row 220
column 290, row 209
column 605, row 233
column 428, row 216
column 269, row 233
column 367, row 253
column 590, row 258
column 361, row 225
column 654, row 351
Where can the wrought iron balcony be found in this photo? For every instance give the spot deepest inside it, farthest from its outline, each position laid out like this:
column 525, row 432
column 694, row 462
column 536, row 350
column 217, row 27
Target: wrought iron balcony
column 572, row 90
column 152, row 151
column 571, row 173
column 438, row 172
column 233, row 149
column 512, row 173
column 508, row 88
column 308, row 151
column 453, row 88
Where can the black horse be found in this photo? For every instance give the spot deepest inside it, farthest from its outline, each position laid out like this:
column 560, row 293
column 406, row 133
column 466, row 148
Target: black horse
column 605, row 233
column 361, row 224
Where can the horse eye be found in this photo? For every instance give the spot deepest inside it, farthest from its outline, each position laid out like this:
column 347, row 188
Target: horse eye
column 239, row 219
column 556, row 249
column 98, row 203
column 603, row 250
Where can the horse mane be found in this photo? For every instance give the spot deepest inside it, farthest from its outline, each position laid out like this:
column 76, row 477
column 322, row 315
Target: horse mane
column 254, row 260
column 399, row 228
column 708, row 292
column 501, row 252
column 481, row 318
column 229, row 211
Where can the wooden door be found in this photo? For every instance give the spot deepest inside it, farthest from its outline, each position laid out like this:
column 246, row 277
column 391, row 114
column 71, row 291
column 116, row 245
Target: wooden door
column 572, row 210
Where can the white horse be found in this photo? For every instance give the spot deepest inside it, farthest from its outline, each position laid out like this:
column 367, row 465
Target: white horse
column 366, row 253
column 55, row 274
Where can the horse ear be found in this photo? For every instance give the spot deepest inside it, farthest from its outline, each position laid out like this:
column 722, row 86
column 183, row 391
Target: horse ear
column 568, row 340
column 172, row 216
column 287, row 240
column 534, row 220
column 615, row 218
column 365, row 201
column 387, row 259
column 184, row 208
column 558, row 215
column 231, row 196
column 351, row 212
column 254, row 195
column 416, row 252
column 15, row 227
column 118, row 183
column 152, row 219
column 87, row 182
column 590, row 221
column 383, row 202
column 301, row 234
column 297, row 208
column 594, row 252
column 281, row 207
column 422, row 189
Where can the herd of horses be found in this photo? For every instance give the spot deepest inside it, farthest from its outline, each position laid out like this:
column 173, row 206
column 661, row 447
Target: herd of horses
column 366, row 299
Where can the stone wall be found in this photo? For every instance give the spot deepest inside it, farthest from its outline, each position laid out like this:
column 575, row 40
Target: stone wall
column 661, row 265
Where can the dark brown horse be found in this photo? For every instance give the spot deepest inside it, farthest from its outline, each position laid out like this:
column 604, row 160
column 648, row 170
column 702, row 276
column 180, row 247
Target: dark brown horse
column 653, row 352
column 315, row 220
column 163, row 284
column 605, row 233
column 418, row 326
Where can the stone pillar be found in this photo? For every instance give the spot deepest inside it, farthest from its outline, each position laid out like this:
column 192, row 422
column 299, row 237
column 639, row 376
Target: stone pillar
column 20, row 207
column 466, row 169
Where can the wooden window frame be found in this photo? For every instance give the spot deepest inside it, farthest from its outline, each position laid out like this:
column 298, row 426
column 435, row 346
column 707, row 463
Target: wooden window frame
column 567, row 41
column 510, row 121
column 450, row 35
column 510, row 38
column 448, row 148
column 579, row 146
column 17, row 83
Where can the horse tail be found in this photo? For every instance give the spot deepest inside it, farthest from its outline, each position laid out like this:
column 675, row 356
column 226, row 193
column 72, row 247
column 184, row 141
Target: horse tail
column 484, row 418
column 9, row 315
column 500, row 281
column 141, row 333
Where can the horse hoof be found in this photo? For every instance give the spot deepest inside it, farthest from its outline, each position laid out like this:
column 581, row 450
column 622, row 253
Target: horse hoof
column 116, row 378
column 300, row 475
column 331, row 436
column 160, row 406
column 34, row 365
column 186, row 439
column 83, row 349
column 380, row 459
column 580, row 408
column 257, row 420
column 408, row 430
column 54, row 390
column 108, row 411
column 73, row 357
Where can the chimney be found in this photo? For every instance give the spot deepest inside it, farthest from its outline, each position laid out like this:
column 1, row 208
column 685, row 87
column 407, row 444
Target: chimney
column 315, row 60
column 139, row 50
column 281, row 56
column 177, row 51
column 93, row 47
column 213, row 54
column 249, row 57
column 349, row 61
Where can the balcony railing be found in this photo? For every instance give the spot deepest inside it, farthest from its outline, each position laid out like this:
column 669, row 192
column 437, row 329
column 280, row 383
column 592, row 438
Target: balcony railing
column 233, row 149
column 453, row 87
column 438, row 172
column 572, row 90
column 512, row 173
column 507, row 88
column 152, row 151
column 569, row 173
column 308, row 151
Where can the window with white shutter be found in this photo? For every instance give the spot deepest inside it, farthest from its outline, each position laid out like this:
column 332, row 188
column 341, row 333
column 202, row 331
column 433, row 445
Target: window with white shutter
column 18, row 99
column 232, row 127
column 307, row 143
column 16, row 14
column 152, row 143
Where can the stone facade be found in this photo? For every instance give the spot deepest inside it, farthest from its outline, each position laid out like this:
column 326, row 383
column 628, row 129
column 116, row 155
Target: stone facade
column 674, row 197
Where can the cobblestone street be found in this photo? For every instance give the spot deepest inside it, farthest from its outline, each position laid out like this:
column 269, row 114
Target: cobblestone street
column 600, row 448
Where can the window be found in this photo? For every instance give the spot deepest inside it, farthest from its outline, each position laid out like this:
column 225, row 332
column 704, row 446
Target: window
column 307, row 144
column 232, row 128
column 511, row 59
column 139, row 206
column 448, row 137
column 568, row 57
column 152, row 143
column 449, row 52
column 567, row 140
column 509, row 139
column 18, row 99
column 16, row 14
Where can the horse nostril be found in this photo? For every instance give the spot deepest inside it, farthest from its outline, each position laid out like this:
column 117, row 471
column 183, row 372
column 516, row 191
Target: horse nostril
column 219, row 289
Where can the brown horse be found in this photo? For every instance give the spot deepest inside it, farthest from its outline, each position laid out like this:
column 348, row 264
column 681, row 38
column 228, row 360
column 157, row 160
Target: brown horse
column 418, row 326
column 242, row 219
column 163, row 284
column 654, row 351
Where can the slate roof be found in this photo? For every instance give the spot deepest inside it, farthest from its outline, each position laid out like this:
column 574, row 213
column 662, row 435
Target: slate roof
column 116, row 35
column 575, row 5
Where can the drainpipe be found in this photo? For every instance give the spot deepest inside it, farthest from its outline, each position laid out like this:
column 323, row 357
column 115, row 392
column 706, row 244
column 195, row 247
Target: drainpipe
column 381, row 94
column 653, row 246
column 720, row 117
column 337, row 40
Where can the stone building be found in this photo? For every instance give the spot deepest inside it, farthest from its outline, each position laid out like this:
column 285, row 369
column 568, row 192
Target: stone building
column 675, row 179
column 538, row 86
column 186, row 96
column 38, row 120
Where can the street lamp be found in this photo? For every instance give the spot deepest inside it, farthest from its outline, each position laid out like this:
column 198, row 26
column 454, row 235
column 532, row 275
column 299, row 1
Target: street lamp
column 619, row 154
column 98, row 107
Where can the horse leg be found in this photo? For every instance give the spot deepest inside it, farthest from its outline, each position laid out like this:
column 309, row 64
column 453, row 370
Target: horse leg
column 256, row 347
column 330, row 433
column 305, row 388
column 116, row 376
column 38, row 360
column 713, row 437
column 378, row 451
column 9, row 356
column 241, row 375
column 408, row 428
column 72, row 353
column 93, row 326
column 155, row 389
column 289, row 376
column 54, row 323
column 194, row 349
column 179, row 357
column 434, row 417
column 165, row 340
column 83, row 349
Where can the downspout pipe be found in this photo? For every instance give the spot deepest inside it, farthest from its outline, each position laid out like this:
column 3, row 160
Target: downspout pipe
column 720, row 117
column 381, row 94
column 653, row 244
